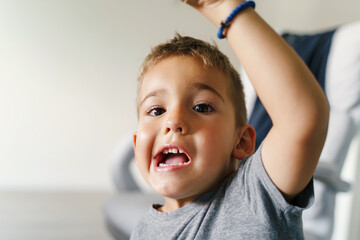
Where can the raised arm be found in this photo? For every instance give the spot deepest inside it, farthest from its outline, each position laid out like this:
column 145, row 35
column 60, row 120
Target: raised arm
column 295, row 102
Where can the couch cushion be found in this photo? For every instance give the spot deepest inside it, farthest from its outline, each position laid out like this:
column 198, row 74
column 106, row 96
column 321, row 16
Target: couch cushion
column 123, row 211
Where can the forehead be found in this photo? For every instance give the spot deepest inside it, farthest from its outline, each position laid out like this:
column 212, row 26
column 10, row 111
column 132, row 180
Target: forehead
column 182, row 71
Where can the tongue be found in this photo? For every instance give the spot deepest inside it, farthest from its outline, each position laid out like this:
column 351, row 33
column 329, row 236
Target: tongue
column 176, row 159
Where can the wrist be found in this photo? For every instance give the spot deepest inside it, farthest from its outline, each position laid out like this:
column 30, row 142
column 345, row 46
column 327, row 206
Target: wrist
column 218, row 13
column 230, row 19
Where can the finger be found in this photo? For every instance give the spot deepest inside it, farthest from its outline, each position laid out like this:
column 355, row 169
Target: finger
column 190, row 2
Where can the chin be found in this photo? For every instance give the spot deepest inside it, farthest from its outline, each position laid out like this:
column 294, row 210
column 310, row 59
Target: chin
column 172, row 191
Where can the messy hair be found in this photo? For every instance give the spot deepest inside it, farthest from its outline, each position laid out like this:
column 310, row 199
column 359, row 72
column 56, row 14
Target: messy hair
column 210, row 56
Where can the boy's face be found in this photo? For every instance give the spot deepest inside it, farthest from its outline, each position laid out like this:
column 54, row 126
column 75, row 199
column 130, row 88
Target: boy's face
column 185, row 109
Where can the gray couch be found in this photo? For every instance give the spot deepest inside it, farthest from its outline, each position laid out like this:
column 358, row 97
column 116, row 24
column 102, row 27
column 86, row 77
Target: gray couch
column 124, row 210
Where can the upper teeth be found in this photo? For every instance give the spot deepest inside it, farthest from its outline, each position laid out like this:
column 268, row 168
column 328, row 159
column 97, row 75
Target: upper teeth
column 172, row 150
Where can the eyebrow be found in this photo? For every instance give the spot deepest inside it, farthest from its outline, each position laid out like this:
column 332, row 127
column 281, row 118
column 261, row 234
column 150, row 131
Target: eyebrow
column 196, row 86
column 202, row 86
column 152, row 94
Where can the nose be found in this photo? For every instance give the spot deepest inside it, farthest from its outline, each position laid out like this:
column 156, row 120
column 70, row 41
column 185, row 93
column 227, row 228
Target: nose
column 176, row 122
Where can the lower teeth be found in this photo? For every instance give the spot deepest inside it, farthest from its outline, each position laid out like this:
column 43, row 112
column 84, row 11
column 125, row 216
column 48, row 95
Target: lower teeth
column 166, row 165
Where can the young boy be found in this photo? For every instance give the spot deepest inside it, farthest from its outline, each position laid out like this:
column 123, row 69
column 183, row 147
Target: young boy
column 193, row 145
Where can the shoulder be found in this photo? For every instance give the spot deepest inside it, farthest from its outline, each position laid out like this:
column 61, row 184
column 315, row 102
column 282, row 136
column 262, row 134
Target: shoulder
column 263, row 198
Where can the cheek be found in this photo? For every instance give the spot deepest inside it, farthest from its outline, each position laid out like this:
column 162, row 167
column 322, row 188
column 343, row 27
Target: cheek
column 222, row 128
column 218, row 139
column 143, row 150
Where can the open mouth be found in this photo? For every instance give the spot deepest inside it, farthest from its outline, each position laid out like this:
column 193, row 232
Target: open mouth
column 172, row 157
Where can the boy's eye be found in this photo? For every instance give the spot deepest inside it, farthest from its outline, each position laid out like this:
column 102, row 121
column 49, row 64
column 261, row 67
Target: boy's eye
column 157, row 111
column 203, row 108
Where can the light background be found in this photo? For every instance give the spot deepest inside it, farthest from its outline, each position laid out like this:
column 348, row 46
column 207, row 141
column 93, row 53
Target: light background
column 68, row 81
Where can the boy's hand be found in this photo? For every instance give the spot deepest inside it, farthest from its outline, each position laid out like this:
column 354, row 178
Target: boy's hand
column 215, row 10
column 200, row 3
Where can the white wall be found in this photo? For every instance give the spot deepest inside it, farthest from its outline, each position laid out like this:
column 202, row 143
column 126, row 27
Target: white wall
column 68, row 77
column 308, row 15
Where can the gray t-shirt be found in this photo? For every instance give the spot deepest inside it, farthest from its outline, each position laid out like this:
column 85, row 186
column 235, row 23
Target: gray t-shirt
column 246, row 206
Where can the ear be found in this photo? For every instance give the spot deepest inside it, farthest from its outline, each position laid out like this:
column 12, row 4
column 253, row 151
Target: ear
column 134, row 140
column 244, row 144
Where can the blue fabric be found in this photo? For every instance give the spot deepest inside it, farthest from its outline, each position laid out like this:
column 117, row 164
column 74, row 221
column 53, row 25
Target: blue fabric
column 314, row 50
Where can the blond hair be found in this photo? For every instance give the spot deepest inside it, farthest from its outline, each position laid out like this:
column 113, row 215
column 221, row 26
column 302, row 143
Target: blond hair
column 210, row 56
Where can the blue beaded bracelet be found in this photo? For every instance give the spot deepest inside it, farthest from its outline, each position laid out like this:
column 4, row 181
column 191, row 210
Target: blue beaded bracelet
column 236, row 11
